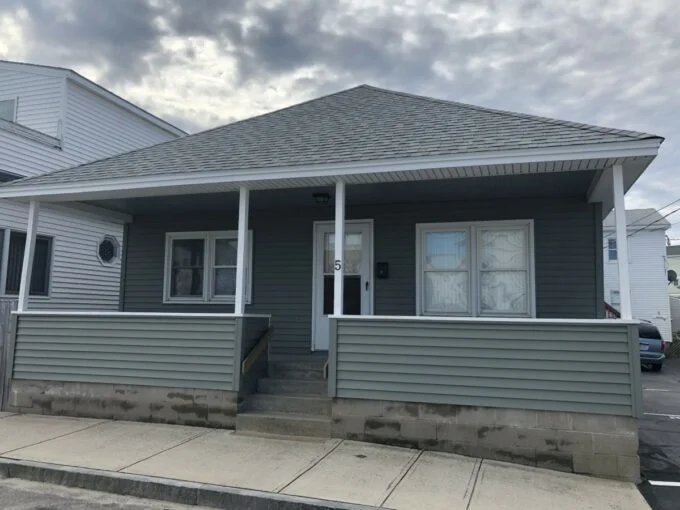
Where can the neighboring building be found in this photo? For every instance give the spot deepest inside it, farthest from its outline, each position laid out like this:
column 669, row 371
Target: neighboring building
column 673, row 261
column 50, row 119
column 647, row 263
column 419, row 272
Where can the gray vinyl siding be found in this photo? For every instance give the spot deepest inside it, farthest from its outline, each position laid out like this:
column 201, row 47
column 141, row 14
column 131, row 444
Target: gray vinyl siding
column 567, row 282
column 177, row 352
column 589, row 368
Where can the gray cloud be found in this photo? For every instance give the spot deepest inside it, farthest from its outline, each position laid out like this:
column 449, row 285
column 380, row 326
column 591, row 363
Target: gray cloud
column 602, row 62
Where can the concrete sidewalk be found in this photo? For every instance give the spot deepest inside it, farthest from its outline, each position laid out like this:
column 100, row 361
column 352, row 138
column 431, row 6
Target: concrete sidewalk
column 288, row 471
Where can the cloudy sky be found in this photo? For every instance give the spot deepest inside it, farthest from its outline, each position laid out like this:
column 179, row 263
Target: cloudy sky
column 201, row 63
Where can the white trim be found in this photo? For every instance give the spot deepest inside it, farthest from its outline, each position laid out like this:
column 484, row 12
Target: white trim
column 140, row 314
column 472, row 229
column 243, row 242
column 500, row 320
column 621, row 240
column 315, row 267
column 339, row 249
column 660, row 483
column 209, row 237
column 5, row 260
column 334, row 170
column 116, row 255
column 29, row 251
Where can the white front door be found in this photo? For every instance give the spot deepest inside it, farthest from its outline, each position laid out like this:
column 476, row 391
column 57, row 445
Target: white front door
column 358, row 284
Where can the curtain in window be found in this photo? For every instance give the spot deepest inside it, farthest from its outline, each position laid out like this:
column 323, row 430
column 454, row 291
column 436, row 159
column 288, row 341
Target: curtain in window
column 504, row 271
column 446, row 272
column 224, row 280
column 187, row 267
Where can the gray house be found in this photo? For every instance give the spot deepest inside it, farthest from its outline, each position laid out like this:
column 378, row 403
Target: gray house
column 370, row 265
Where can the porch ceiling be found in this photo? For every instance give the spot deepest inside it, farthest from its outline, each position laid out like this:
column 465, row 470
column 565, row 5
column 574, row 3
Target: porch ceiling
column 535, row 185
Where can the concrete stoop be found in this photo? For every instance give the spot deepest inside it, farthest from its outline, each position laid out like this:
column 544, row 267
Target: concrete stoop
column 291, row 401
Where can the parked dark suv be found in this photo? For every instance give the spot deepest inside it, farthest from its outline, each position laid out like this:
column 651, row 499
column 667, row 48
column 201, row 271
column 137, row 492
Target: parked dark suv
column 651, row 346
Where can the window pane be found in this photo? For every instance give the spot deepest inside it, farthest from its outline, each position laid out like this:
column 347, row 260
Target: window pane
column 503, row 249
column 41, row 264
column 187, row 267
column 353, row 245
column 446, row 292
column 446, row 250
column 504, row 291
column 613, row 253
column 7, row 109
column 225, row 281
column 225, row 252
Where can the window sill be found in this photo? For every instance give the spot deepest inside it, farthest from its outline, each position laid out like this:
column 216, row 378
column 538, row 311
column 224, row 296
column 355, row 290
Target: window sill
column 201, row 302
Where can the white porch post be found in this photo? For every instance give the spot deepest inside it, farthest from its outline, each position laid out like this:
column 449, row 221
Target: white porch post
column 29, row 250
column 621, row 241
column 241, row 250
column 338, row 262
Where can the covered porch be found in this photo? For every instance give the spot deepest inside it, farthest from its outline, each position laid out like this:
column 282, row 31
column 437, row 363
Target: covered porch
column 453, row 310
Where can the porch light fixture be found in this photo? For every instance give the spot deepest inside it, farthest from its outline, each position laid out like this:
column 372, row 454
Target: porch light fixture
column 321, row 198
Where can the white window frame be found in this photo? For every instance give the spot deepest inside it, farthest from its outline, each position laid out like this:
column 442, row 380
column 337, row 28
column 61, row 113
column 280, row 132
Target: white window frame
column 474, row 297
column 611, row 241
column 15, row 100
column 209, row 238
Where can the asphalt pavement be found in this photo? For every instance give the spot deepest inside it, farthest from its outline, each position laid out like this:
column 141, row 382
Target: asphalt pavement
column 659, row 431
column 18, row 494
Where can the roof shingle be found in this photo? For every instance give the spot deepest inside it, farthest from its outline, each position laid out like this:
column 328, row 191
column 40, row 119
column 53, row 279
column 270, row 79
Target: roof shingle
column 359, row 124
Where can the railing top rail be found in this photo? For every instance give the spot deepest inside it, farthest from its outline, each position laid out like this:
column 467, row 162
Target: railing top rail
column 63, row 313
column 492, row 320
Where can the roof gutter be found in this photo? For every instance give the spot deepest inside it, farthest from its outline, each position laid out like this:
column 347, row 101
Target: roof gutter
column 616, row 150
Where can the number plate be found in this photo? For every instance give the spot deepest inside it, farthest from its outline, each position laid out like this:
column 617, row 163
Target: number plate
column 644, row 347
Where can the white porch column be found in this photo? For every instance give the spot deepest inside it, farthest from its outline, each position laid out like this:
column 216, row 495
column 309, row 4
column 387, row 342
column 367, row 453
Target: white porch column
column 622, row 241
column 241, row 251
column 338, row 262
column 29, row 250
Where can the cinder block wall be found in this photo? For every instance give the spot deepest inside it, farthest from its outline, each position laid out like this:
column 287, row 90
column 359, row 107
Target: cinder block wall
column 599, row 445
column 209, row 408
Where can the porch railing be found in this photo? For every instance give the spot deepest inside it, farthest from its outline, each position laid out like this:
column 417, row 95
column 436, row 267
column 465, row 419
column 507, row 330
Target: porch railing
column 589, row 366
column 202, row 351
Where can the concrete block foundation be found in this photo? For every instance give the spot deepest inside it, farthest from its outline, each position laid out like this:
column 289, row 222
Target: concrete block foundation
column 598, row 445
column 183, row 406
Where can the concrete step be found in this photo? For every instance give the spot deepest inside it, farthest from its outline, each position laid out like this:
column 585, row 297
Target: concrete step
column 292, row 387
column 283, row 424
column 305, row 370
column 288, row 404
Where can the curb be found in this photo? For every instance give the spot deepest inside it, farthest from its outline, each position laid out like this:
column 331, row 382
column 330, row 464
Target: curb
column 165, row 489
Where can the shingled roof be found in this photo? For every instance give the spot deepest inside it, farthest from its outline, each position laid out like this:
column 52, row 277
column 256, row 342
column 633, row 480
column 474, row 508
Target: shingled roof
column 364, row 123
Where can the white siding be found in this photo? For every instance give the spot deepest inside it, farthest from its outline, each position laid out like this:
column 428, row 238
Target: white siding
column 39, row 96
column 78, row 279
column 96, row 128
column 648, row 279
column 92, row 128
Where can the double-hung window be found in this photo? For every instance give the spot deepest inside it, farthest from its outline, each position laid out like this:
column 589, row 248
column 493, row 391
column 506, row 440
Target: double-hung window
column 475, row 269
column 612, row 253
column 200, row 267
column 13, row 244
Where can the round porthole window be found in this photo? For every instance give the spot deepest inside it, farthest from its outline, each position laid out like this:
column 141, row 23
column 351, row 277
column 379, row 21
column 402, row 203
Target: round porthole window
column 107, row 251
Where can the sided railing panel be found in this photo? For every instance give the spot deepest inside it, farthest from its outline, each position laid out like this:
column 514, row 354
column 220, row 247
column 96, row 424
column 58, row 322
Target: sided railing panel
column 147, row 349
column 589, row 366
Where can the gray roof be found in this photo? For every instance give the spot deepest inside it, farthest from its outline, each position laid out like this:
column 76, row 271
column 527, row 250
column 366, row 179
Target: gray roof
column 640, row 218
column 359, row 124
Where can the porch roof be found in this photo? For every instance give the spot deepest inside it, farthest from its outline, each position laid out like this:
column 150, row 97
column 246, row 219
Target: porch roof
column 364, row 134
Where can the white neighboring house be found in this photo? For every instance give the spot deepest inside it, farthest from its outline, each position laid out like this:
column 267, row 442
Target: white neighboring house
column 647, row 259
column 50, row 119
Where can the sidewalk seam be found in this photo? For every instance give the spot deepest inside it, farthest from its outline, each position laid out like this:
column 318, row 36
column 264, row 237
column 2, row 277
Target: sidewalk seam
column 2, row 454
column 474, row 486
column 398, row 479
column 200, row 434
column 309, row 468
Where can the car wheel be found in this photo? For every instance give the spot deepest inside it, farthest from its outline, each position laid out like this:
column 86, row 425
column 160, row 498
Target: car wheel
column 656, row 368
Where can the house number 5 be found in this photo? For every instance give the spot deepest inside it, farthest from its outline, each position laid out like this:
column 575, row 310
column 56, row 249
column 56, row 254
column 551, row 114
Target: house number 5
column 338, row 265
